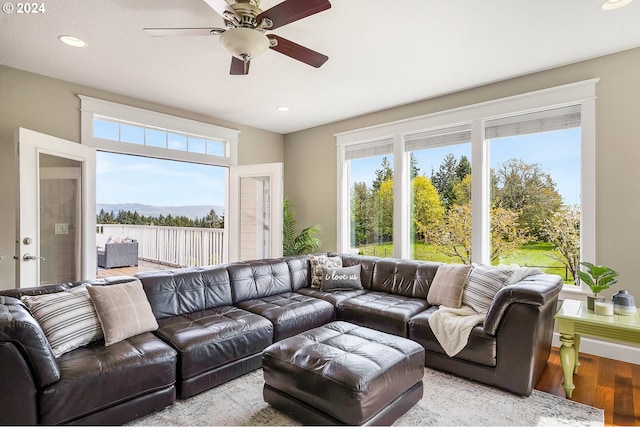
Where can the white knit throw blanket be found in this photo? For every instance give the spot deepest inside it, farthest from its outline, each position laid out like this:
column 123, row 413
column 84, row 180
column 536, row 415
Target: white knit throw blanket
column 452, row 327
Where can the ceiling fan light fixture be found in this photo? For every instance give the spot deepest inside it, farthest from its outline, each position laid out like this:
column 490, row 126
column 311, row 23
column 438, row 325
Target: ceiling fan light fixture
column 244, row 43
column 614, row 4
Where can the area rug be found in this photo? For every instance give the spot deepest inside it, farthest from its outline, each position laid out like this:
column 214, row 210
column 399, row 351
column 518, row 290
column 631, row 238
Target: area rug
column 448, row 401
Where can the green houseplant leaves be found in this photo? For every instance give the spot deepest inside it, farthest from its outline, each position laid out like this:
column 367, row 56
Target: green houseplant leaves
column 297, row 243
column 598, row 277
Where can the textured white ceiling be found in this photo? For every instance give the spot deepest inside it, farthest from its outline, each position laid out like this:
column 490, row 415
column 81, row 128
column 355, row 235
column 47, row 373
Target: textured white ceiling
column 381, row 53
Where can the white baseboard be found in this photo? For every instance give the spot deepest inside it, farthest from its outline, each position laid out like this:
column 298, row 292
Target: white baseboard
column 610, row 350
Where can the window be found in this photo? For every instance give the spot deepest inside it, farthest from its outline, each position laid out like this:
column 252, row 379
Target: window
column 535, row 190
column 453, row 170
column 177, row 164
column 120, row 128
column 371, row 197
column 440, row 184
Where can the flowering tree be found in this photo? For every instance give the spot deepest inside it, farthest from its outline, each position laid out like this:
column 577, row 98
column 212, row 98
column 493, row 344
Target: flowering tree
column 563, row 230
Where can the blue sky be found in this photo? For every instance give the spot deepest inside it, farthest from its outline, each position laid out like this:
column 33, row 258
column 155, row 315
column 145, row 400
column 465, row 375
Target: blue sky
column 134, row 179
column 557, row 153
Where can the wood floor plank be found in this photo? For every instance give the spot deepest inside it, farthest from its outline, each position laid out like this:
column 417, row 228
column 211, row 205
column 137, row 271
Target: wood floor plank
column 608, row 384
column 635, row 380
column 586, row 380
column 623, row 401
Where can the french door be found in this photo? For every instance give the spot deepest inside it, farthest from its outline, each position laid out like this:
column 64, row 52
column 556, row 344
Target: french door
column 56, row 221
column 255, row 200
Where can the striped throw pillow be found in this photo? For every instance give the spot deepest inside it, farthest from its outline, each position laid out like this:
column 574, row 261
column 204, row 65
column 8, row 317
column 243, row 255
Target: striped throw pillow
column 68, row 318
column 484, row 283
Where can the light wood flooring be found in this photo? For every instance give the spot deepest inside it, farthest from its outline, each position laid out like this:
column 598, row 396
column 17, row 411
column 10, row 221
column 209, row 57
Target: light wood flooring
column 604, row 383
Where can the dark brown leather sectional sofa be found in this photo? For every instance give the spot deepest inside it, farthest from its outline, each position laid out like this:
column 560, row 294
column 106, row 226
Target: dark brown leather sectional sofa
column 215, row 321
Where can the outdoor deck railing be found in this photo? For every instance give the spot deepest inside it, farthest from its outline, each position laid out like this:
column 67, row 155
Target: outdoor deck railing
column 178, row 246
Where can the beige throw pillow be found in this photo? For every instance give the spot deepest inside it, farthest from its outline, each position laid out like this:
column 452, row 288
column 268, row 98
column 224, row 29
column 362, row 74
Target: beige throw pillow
column 123, row 310
column 448, row 284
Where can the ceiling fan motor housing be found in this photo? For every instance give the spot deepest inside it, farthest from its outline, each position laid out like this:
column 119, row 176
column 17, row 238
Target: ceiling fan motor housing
column 244, row 43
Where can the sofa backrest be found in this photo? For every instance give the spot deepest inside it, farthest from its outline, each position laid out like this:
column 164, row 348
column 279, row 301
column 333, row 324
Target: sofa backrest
column 403, row 277
column 367, row 262
column 19, row 328
column 259, row 278
column 186, row 290
column 299, row 271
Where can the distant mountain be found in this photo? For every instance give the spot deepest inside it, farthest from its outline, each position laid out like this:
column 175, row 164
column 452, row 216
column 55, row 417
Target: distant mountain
column 191, row 212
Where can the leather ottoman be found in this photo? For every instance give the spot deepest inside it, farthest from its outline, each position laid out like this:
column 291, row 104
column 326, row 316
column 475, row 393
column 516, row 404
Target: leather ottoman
column 341, row 373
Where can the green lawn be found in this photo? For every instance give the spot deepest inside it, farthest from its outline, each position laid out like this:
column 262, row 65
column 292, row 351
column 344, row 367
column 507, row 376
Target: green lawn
column 532, row 254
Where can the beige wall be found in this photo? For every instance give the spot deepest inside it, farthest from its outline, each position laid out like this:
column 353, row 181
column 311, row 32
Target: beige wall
column 310, row 155
column 52, row 106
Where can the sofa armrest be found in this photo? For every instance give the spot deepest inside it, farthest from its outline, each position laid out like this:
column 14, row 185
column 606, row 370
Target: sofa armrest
column 18, row 327
column 540, row 289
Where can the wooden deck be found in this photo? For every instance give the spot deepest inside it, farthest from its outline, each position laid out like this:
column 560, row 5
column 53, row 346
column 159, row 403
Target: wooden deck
column 130, row 271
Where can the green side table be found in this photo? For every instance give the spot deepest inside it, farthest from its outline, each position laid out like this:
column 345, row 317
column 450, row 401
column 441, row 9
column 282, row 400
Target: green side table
column 574, row 320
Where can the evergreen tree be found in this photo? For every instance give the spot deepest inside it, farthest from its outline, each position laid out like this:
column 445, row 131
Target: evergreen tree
column 445, row 180
column 385, row 173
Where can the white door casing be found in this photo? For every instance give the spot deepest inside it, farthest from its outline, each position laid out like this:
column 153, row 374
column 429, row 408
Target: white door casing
column 31, row 145
column 255, row 211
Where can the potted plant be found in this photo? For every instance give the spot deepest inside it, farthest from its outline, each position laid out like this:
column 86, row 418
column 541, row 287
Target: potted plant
column 598, row 278
column 297, row 243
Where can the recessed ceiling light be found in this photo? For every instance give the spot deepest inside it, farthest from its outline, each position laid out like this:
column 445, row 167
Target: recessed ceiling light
column 72, row 41
column 614, row 4
column 283, row 108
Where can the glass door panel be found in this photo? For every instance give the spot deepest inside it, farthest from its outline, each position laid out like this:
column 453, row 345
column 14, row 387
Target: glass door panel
column 60, row 220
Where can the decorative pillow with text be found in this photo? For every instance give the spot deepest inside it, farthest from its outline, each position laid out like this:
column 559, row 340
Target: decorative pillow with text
column 341, row 278
column 318, row 263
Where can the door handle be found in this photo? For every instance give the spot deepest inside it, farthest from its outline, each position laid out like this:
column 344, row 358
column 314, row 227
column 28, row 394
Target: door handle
column 29, row 257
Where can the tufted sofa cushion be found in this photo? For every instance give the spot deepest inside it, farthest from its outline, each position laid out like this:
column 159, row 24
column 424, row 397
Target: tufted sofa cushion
column 258, row 279
column 346, row 371
column 209, row 339
column 291, row 312
column 186, row 290
column 402, row 277
column 382, row 311
column 97, row 377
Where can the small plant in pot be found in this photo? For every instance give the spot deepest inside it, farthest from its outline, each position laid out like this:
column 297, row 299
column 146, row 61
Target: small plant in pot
column 598, row 278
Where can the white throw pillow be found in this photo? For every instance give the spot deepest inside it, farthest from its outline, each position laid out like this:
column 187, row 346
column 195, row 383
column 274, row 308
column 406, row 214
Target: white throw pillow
column 519, row 273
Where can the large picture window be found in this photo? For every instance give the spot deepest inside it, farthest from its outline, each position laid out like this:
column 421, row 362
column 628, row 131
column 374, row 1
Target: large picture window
column 371, row 197
column 506, row 181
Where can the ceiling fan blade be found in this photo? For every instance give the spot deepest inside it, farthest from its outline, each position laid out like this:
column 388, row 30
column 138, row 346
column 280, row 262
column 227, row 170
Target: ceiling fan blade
column 292, row 10
column 295, row 51
column 239, row 67
column 168, row 32
column 220, row 6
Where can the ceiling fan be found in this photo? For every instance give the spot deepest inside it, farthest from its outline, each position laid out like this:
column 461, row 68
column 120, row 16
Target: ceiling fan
column 244, row 36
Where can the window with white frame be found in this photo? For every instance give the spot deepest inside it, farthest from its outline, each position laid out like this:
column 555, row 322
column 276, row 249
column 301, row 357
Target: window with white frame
column 124, row 129
column 147, row 159
column 531, row 161
column 370, row 185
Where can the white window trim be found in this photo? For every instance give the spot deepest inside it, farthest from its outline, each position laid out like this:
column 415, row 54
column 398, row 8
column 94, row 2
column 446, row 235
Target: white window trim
column 91, row 107
column 582, row 93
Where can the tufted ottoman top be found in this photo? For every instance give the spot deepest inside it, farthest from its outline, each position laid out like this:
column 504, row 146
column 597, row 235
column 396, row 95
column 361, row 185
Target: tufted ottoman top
column 346, row 371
